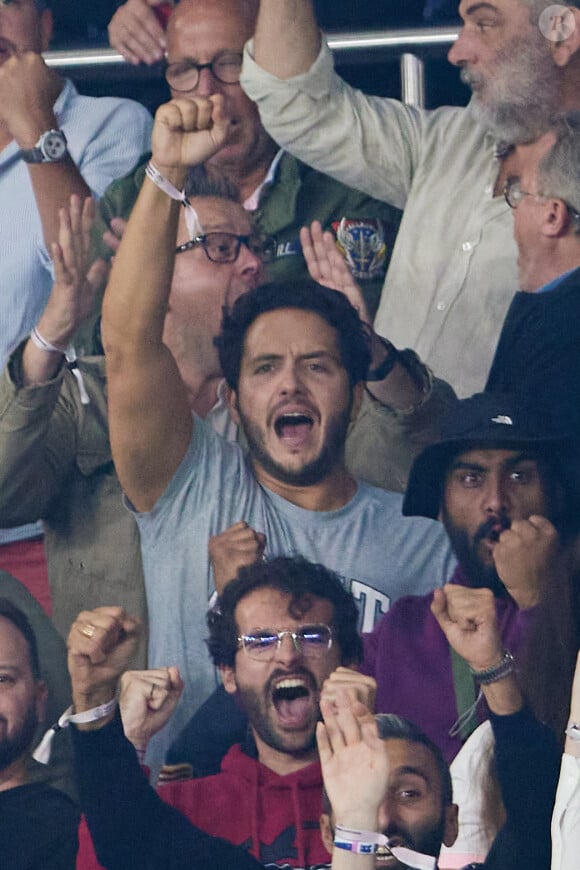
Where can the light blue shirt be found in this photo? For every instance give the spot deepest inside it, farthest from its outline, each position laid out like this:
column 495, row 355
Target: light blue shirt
column 379, row 554
column 106, row 137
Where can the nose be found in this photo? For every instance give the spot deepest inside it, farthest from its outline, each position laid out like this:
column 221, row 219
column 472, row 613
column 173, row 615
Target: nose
column 248, row 264
column 207, row 85
column 495, row 497
column 388, row 818
column 287, row 651
column 463, row 49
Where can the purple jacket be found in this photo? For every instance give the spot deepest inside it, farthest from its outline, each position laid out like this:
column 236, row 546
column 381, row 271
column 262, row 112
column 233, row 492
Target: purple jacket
column 409, row 657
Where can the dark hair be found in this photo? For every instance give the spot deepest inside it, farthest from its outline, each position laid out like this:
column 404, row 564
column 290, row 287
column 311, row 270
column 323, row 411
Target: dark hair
column 392, row 727
column 14, row 615
column 298, row 578
column 200, row 182
column 306, row 295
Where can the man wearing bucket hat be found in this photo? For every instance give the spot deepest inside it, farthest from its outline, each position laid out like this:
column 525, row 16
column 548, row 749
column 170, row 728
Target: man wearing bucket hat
column 500, row 478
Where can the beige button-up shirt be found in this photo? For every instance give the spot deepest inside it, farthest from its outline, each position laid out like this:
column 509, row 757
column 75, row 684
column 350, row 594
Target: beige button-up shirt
column 453, row 270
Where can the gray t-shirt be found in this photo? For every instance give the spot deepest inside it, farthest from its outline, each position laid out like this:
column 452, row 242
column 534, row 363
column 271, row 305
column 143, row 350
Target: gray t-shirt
column 380, row 554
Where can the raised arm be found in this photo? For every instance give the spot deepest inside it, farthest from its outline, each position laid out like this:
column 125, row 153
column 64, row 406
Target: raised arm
column 28, row 91
column 287, row 38
column 149, row 415
column 38, row 412
column 468, row 619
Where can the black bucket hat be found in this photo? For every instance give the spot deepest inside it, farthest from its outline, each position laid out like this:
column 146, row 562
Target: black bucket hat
column 484, row 419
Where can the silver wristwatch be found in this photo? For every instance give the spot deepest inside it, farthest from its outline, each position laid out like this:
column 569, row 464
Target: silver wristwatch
column 50, row 148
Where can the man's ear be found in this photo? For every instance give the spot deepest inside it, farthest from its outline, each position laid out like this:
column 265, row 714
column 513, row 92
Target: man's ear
column 451, row 829
column 41, row 699
column 565, row 50
column 232, row 401
column 228, row 675
column 46, row 28
column 326, row 832
column 557, row 219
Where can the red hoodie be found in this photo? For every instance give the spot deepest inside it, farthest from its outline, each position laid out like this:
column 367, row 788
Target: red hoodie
column 274, row 817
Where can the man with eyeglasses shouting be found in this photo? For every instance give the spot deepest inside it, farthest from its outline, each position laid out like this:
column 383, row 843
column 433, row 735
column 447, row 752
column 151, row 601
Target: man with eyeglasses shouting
column 204, row 42
column 54, row 440
column 281, row 629
column 538, row 352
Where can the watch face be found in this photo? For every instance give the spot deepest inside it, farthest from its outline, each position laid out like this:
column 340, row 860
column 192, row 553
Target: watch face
column 53, row 145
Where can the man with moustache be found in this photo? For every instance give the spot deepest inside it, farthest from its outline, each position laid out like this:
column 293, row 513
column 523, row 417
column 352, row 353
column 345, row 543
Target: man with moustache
column 54, row 441
column 453, row 270
column 204, row 42
column 295, row 357
column 281, row 628
column 503, row 480
column 39, row 823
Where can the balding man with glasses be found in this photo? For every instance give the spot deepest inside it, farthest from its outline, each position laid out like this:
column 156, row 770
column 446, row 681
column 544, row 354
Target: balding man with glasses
column 204, row 43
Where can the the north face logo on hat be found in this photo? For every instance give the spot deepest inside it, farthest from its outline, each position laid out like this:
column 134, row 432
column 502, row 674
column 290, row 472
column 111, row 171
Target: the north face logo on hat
column 503, row 419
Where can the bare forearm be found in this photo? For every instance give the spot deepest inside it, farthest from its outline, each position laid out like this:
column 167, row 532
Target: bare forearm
column 53, row 185
column 135, row 301
column 287, row 39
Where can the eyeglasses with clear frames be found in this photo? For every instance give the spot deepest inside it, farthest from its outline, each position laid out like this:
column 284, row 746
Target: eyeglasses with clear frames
column 309, row 640
column 222, row 247
column 183, row 75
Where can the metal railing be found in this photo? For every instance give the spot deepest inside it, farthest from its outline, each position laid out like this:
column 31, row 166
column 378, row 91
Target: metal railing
column 412, row 46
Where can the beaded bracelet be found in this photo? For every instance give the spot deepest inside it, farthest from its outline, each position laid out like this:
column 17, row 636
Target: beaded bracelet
column 497, row 672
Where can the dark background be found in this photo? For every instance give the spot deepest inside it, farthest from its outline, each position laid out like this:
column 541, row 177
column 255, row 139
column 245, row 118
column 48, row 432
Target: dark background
column 79, row 25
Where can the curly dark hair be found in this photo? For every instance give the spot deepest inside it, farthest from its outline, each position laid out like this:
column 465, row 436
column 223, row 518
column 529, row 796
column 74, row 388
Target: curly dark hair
column 307, row 295
column 300, row 579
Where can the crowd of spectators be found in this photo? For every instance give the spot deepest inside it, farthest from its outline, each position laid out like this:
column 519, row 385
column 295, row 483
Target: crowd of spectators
column 289, row 446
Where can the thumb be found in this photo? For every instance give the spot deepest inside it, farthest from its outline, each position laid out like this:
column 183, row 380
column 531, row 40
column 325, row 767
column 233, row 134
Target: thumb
column 221, row 121
column 439, row 608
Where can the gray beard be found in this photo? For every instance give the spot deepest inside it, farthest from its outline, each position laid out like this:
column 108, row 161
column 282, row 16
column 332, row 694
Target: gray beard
column 522, row 96
column 516, row 125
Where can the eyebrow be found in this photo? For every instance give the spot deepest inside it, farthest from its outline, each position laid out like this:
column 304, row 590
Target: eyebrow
column 408, row 769
column 481, row 7
column 509, row 463
column 315, row 354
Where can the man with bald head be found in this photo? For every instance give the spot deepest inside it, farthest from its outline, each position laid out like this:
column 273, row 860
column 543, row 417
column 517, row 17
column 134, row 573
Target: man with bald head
column 204, row 43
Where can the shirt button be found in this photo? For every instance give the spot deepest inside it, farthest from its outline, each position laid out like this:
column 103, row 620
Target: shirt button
column 466, row 246
column 441, row 306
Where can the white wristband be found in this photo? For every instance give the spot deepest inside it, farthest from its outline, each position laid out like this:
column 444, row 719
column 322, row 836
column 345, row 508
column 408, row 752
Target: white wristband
column 42, row 751
column 369, row 843
column 43, row 344
column 69, row 354
column 191, row 218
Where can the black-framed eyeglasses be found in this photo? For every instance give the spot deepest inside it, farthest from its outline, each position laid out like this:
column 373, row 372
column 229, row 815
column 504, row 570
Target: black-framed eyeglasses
column 183, row 75
column 225, row 247
column 309, row 640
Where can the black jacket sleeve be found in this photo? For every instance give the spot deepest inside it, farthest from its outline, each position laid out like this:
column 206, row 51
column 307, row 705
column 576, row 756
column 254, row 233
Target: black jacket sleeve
column 130, row 824
column 528, row 764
